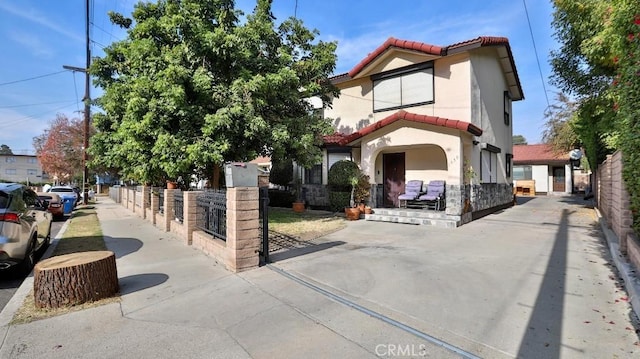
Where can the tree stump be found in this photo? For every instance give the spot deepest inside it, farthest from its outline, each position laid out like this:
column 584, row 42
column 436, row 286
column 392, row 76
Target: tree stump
column 75, row 278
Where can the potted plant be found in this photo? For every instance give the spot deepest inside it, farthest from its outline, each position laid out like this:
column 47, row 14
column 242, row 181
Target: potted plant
column 298, row 205
column 352, row 212
column 361, row 192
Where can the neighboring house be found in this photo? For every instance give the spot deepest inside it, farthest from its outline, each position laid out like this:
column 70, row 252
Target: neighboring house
column 21, row 168
column 552, row 172
column 414, row 111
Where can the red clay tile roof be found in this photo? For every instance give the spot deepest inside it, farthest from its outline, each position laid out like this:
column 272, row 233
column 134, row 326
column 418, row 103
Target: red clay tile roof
column 408, row 116
column 480, row 41
column 540, row 153
column 402, row 44
column 334, row 139
column 261, row 159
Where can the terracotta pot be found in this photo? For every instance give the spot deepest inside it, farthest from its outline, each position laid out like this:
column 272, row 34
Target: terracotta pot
column 298, row 207
column 368, row 210
column 171, row 185
column 352, row 214
column 361, row 207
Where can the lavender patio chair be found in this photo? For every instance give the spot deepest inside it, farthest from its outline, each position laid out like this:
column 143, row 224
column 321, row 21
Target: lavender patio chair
column 434, row 198
column 411, row 192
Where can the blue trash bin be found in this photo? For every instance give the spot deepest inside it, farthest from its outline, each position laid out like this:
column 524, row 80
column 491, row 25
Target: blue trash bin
column 69, row 203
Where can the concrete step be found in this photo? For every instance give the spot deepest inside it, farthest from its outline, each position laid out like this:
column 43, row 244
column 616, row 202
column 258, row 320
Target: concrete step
column 414, row 217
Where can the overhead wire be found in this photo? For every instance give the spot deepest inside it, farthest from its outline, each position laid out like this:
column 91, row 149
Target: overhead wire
column 35, row 104
column 32, row 78
column 535, row 50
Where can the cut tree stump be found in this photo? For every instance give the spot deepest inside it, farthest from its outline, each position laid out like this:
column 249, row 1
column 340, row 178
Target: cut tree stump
column 75, row 278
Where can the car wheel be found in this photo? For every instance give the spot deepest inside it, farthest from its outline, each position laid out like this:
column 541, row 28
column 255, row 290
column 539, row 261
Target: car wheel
column 29, row 258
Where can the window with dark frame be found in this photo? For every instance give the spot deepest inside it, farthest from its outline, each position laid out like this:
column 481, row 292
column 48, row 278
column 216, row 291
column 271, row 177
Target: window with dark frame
column 508, row 158
column 313, row 175
column 507, row 108
column 409, row 86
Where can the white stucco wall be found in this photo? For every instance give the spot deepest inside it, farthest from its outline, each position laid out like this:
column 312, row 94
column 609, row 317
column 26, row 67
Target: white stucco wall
column 487, row 105
column 353, row 109
column 421, row 145
column 540, row 174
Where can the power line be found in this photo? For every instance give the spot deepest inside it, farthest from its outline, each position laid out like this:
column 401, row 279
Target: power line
column 31, row 78
column 35, row 104
column 535, row 50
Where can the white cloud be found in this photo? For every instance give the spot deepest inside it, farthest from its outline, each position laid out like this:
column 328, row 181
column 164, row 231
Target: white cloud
column 43, row 20
column 433, row 30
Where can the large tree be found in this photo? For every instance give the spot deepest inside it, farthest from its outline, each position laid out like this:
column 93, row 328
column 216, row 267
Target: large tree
column 59, row 148
column 559, row 132
column 192, row 86
column 5, row 150
column 598, row 63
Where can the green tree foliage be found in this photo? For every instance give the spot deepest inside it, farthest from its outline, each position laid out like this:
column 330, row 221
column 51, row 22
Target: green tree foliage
column 5, row 150
column 519, row 140
column 281, row 173
column 193, row 86
column 598, row 63
column 559, row 130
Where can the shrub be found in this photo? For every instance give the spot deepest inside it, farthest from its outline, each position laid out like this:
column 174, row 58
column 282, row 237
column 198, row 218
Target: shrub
column 278, row 198
column 339, row 200
column 282, row 173
column 340, row 175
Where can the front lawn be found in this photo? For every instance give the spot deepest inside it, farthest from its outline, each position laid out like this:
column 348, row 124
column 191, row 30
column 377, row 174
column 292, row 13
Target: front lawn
column 306, row 225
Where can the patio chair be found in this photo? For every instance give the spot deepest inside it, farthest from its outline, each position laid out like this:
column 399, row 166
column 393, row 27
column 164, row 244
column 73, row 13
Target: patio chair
column 435, row 197
column 412, row 190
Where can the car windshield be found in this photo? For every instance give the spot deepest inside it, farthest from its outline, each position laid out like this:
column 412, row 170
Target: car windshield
column 61, row 190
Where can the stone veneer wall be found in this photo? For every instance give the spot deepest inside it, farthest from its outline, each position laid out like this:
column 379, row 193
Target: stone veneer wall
column 481, row 197
column 316, row 195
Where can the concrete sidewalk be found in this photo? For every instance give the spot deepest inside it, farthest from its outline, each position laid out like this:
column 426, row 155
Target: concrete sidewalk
column 534, row 281
column 176, row 302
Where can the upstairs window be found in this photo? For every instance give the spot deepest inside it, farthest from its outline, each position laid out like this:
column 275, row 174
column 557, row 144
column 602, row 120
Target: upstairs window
column 507, row 108
column 409, row 86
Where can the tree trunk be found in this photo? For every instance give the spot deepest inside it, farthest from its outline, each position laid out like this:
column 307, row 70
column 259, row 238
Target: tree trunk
column 75, row 278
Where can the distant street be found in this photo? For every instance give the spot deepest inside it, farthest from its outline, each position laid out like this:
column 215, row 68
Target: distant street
column 10, row 280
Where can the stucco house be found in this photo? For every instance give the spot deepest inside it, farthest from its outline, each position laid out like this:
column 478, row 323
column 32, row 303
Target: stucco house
column 552, row 173
column 21, row 168
column 415, row 111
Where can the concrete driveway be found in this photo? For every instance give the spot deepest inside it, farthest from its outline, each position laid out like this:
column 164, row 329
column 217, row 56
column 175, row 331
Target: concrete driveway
column 533, row 281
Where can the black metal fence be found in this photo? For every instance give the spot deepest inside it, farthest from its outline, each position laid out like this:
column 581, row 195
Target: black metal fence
column 264, row 224
column 211, row 213
column 161, row 200
column 178, row 206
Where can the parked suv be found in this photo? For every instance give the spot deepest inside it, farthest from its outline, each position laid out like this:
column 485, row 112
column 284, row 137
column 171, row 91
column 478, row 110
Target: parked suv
column 25, row 226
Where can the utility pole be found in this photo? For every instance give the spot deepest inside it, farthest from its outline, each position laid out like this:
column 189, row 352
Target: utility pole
column 87, row 107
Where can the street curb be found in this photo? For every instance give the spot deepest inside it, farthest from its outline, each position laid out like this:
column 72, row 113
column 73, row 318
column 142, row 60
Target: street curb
column 627, row 272
column 19, row 296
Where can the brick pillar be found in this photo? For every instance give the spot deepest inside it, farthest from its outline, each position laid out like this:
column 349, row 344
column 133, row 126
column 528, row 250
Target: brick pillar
column 243, row 228
column 168, row 208
column 132, row 194
column 154, row 205
column 190, row 208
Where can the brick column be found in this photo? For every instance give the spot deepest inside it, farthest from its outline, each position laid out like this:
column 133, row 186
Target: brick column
column 154, row 205
column 243, row 228
column 168, row 209
column 189, row 222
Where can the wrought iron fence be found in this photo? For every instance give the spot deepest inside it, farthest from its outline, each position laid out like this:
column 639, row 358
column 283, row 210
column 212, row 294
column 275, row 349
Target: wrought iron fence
column 211, row 213
column 161, row 200
column 178, row 206
column 264, row 224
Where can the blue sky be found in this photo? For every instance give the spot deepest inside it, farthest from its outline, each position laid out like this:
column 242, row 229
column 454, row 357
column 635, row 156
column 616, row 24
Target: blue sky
column 38, row 37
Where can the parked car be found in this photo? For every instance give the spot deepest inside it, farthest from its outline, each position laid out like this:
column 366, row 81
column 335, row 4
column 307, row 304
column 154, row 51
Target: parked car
column 69, row 197
column 56, row 205
column 25, row 226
